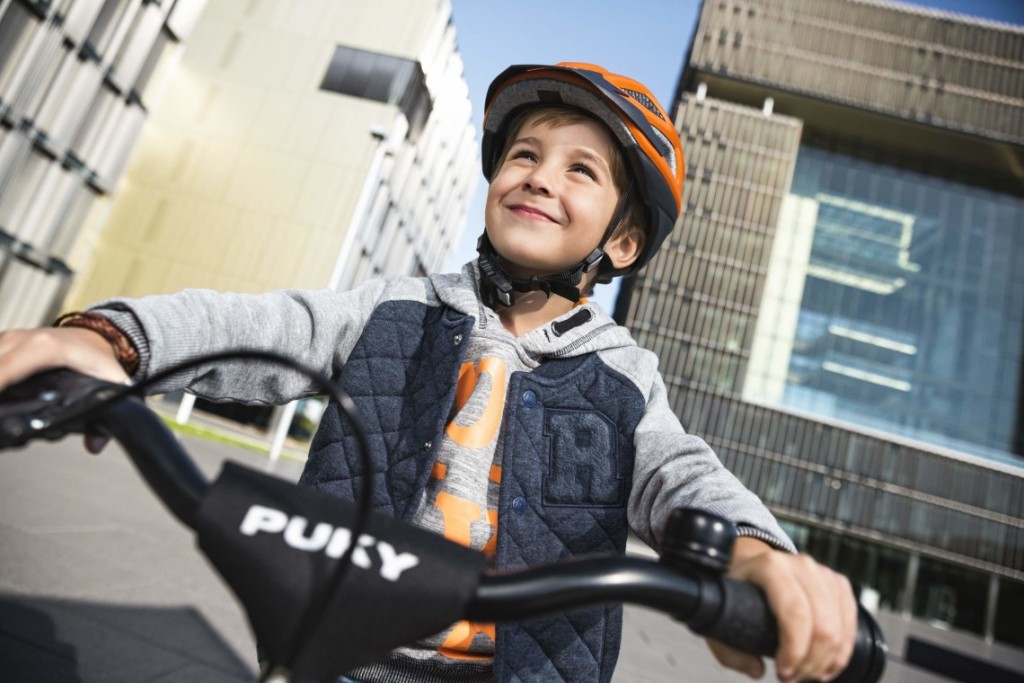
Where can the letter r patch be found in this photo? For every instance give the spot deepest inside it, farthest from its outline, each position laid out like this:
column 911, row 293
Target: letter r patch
column 583, row 460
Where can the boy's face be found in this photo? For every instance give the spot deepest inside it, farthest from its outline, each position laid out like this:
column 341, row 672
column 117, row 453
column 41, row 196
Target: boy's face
column 552, row 197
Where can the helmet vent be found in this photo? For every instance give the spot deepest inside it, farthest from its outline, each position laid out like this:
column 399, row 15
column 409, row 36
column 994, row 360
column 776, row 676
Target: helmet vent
column 645, row 101
column 549, row 97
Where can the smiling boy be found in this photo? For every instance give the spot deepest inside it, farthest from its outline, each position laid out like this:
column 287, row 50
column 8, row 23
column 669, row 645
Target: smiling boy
column 510, row 414
column 549, row 205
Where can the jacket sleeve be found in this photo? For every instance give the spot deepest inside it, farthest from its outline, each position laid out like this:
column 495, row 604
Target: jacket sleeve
column 317, row 328
column 675, row 469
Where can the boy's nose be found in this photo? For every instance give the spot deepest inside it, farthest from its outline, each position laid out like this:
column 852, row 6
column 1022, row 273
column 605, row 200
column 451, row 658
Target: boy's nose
column 540, row 188
column 538, row 181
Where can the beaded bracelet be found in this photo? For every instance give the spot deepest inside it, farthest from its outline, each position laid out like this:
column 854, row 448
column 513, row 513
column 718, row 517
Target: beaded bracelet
column 125, row 352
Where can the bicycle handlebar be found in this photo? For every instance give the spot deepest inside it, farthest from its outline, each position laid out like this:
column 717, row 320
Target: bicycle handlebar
column 253, row 560
column 732, row 612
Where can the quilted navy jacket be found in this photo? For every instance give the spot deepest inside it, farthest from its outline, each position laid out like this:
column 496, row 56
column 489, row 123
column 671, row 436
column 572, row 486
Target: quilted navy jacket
column 396, row 347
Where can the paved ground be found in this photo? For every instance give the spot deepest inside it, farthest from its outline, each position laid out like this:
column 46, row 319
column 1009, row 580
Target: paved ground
column 99, row 583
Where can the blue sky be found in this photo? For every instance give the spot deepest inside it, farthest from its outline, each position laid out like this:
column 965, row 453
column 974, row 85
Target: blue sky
column 648, row 42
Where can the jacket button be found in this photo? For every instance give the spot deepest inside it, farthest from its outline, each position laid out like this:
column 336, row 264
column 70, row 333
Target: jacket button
column 458, row 339
column 529, row 399
column 519, row 505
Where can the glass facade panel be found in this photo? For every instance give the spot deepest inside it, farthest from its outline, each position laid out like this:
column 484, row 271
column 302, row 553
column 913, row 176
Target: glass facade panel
column 1009, row 625
column 951, row 596
column 907, row 315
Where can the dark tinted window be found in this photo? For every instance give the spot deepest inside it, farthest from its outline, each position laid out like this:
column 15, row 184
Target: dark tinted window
column 381, row 78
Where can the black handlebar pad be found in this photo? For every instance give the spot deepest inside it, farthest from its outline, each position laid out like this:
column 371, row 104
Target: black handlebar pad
column 278, row 546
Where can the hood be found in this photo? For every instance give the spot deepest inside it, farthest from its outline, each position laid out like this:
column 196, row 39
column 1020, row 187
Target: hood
column 587, row 328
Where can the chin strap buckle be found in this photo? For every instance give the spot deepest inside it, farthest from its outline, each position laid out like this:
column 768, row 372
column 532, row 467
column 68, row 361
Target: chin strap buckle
column 497, row 286
column 592, row 261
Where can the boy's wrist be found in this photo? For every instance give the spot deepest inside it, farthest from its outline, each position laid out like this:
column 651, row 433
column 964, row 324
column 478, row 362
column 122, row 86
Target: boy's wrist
column 124, row 350
column 747, row 547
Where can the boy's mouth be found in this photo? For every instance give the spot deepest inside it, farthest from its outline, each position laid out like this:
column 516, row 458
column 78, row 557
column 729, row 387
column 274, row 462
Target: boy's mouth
column 531, row 213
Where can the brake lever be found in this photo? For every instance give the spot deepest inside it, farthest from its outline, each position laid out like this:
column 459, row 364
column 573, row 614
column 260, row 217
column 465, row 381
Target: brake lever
column 50, row 405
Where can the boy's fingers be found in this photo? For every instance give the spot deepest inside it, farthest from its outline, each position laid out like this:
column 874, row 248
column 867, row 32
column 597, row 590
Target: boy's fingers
column 24, row 353
column 94, row 443
column 734, row 659
column 826, row 636
column 848, row 624
column 776, row 574
column 835, row 622
column 19, row 358
column 792, row 609
column 817, row 617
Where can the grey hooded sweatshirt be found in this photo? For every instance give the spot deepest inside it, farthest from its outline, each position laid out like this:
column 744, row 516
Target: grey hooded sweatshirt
column 529, row 448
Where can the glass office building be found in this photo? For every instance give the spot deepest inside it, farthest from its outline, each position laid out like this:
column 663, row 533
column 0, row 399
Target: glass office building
column 909, row 312
column 840, row 311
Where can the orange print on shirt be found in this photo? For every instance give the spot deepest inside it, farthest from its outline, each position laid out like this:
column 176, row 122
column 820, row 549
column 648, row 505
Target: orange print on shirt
column 483, row 431
column 492, row 543
column 458, row 514
column 458, row 642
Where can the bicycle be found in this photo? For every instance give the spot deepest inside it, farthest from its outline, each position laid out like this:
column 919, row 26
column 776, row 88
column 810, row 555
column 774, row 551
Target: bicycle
column 300, row 560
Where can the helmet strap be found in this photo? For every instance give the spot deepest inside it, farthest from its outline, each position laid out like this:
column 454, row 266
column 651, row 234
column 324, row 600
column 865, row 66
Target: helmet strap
column 498, row 287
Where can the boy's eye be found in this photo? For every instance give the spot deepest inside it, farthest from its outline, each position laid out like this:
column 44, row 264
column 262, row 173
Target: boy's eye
column 585, row 170
column 523, row 154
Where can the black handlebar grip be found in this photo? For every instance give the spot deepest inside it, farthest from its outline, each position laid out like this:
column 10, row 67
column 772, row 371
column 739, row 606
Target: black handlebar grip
column 743, row 621
column 746, row 623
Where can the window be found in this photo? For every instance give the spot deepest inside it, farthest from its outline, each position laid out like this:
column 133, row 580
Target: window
column 1009, row 625
column 902, row 324
column 951, row 595
column 381, row 78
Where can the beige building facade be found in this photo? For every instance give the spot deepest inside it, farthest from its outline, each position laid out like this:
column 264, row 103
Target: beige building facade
column 309, row 144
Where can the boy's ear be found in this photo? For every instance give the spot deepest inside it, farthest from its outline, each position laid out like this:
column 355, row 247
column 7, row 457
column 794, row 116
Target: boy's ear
column 624, row 247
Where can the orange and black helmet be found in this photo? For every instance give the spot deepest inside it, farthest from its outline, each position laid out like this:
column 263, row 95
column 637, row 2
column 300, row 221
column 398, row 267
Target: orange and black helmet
column 650, row 143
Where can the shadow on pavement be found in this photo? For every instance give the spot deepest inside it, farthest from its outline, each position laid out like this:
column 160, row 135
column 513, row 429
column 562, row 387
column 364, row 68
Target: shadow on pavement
column 45, row 640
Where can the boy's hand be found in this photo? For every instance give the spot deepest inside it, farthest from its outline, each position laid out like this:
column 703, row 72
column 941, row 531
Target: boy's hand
column 813, row 605
column 24, row 353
